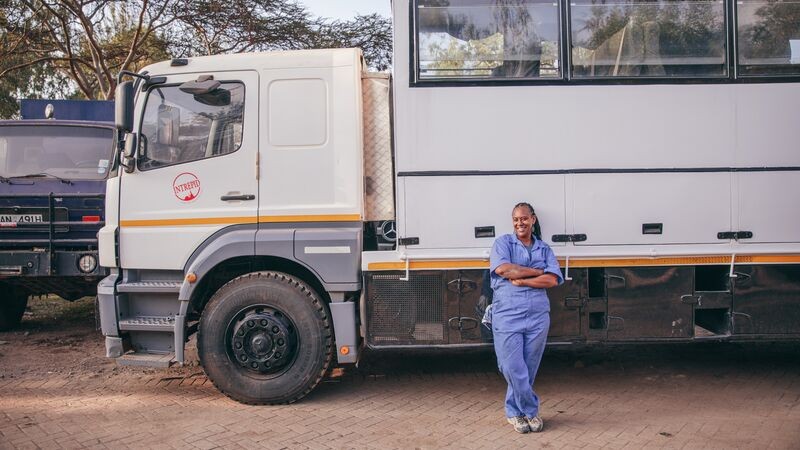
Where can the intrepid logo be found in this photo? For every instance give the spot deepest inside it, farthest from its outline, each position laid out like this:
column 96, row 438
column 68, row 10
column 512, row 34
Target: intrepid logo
column 186, row 187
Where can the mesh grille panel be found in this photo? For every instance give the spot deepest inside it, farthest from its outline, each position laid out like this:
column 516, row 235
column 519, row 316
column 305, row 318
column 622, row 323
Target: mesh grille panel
column 405, row 312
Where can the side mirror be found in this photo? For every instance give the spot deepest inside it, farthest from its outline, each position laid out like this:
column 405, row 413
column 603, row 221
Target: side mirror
column 169, row 125
column 123, row 107
column 130, row 145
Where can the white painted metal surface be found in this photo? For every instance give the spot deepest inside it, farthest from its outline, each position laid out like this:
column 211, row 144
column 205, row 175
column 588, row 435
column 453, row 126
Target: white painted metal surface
column 578, row 129
column 311, row 162
column 106, row 236
column 159, row 230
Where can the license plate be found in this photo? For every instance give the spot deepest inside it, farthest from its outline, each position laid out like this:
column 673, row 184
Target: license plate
column 21, row 218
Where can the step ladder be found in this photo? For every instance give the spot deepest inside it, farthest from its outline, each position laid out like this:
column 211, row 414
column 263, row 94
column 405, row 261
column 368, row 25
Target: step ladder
column 152, row 319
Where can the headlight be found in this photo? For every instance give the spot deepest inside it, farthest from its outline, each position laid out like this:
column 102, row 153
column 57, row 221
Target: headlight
column 87, row 263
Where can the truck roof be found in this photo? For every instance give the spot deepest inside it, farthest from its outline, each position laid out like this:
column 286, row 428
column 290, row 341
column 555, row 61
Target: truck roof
column 53, row 122
column 261, row 60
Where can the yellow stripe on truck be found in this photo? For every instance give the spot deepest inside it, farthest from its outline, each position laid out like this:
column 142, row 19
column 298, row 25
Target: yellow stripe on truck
column 240, row 220
column 595, row 262
column 188, row 222
column 417, row 265
column 316, row 218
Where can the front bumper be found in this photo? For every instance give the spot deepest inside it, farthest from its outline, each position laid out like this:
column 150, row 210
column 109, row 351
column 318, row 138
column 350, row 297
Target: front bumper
column 27, row 263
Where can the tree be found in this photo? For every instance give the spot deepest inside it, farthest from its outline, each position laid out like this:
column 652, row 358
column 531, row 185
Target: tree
column 88, row 41
column 77, row 47
column 371, row 33
column 211, row 27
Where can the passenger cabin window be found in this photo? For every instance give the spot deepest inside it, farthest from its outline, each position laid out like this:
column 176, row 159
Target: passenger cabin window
column 667, row 38
column 488, row 39
column 769, row 37
column 179, row 127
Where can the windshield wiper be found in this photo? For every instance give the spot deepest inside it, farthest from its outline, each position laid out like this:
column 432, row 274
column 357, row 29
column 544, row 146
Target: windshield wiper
column 43, row 175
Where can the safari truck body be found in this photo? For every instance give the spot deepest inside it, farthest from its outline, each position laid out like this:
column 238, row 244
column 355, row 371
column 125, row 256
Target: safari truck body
column 52, row 188
column 290, row 207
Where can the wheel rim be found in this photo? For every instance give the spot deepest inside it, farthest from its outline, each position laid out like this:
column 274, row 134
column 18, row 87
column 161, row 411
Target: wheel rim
column 262, row 340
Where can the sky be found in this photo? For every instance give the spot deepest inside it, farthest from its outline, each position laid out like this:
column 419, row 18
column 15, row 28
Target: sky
column 346, row 9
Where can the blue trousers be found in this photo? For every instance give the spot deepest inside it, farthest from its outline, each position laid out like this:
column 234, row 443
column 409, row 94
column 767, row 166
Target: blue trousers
column 518, row 357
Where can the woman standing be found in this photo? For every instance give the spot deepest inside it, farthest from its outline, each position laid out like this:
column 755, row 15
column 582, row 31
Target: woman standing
column 522, row 266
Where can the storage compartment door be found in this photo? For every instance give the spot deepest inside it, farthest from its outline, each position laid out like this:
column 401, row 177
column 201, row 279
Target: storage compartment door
column 646, row 303
column 447, row 212
column 769, row 207
column 766, row 300
column 567, row 302
column 651, row 208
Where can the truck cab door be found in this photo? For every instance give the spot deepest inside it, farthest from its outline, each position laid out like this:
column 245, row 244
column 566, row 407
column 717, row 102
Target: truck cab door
column 195, row 171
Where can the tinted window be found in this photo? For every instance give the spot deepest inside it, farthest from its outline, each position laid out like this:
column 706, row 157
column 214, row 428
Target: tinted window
column 494, row 39
column 69, row 152
column 179, row 127
column 668, row 38
column 768, row 37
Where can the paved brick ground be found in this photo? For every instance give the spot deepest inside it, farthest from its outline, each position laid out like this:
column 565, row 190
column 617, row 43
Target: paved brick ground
column 61, row 394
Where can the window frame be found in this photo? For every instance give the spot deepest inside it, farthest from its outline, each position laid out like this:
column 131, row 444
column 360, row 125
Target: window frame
column 148, row 90
column 415, row 52
column 734, row 31
column 566, row 78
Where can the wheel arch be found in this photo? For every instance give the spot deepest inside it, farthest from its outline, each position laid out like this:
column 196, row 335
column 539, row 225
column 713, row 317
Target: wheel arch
column 229, row 269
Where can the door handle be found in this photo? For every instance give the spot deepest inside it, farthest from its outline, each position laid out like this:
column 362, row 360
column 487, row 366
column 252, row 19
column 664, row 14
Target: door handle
column 692, row 299
column 233, row 198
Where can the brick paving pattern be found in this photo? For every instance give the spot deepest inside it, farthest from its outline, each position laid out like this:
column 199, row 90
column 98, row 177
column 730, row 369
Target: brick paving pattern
column 710, row 395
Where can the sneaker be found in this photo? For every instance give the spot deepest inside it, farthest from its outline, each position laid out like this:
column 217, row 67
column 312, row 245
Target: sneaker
column 536, row 424
column 520, row 424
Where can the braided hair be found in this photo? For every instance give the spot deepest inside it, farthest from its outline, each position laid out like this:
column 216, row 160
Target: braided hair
column 537, row 229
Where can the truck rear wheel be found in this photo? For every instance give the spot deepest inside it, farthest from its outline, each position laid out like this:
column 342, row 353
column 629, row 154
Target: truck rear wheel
column 12, row 307
column 265, row 338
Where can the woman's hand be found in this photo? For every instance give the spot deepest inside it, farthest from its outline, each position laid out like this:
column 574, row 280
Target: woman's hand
column 515, row 272
column 544, row 281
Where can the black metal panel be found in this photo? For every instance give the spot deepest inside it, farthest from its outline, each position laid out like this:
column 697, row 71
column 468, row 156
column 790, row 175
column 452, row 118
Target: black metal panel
column 465, row 307
column 646, row 303
column 567, row 303
column 766, row 300
column 405, row 312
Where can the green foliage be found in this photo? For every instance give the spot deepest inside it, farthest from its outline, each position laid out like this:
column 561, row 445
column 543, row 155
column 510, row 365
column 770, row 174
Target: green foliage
column 76, row 48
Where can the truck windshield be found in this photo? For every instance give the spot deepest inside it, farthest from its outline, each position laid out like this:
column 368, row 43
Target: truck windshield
column 58, row 151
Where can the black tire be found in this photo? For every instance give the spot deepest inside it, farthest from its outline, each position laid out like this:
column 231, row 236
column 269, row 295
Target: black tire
column 279, row 320
column 12, row 307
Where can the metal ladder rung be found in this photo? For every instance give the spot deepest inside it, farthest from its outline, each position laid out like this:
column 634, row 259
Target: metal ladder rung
column 148, row 323
column 151, row 287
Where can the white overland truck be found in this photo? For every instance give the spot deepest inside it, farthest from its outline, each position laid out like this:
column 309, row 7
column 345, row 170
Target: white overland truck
column 290, row 208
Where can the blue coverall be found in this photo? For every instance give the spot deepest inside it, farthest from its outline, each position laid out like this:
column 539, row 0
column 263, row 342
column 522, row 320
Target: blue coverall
column 520, row 320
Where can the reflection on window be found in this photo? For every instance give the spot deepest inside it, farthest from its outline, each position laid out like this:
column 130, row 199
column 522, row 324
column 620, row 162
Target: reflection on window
column 465, row 39
column 769, row 37
column 68, row 152
column 662, row 38
column 179, row 127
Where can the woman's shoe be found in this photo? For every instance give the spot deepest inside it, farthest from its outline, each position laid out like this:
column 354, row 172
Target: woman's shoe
column 536, row 424
column 520, row 424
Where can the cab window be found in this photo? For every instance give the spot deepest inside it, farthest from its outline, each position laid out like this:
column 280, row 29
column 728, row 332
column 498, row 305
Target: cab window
column 179, row 127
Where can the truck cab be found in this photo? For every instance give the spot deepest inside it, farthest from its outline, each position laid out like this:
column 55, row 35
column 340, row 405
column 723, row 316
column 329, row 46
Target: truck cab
column 52, row 189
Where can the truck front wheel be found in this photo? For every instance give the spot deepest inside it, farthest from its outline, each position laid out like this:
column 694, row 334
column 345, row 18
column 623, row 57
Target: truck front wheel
column 12, row 307
column 265, row 338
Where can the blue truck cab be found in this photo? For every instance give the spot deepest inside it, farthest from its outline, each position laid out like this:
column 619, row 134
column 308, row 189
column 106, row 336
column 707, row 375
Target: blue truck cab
column 52, row 193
